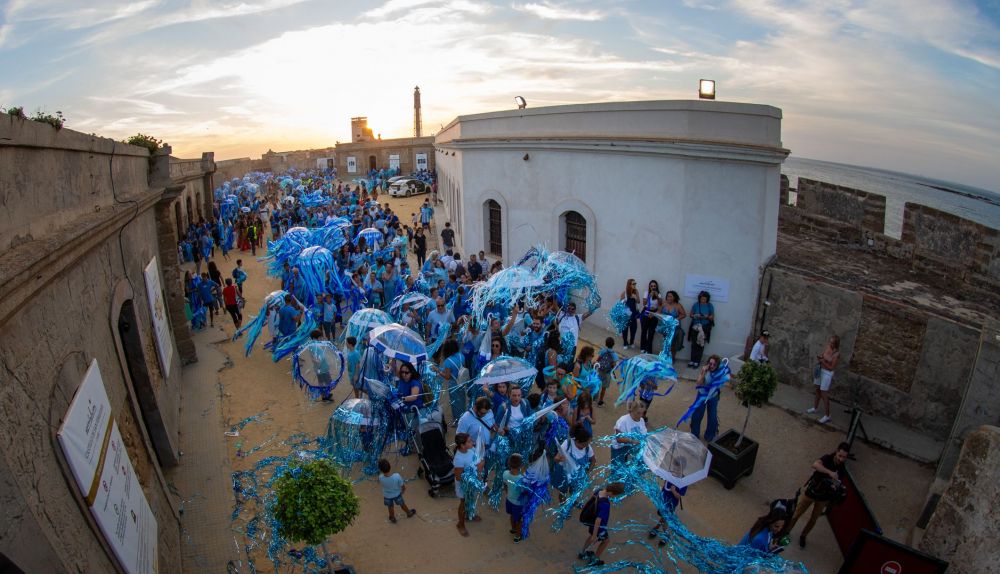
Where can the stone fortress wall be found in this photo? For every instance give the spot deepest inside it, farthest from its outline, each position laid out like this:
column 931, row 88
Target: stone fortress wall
column 916, row 315
column 83, row 217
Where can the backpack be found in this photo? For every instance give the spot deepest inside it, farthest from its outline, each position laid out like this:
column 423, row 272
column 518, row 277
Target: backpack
column 606, row 362
column 589, row 513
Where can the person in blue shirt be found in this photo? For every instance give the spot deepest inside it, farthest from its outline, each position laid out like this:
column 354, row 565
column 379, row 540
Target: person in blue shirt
column 762, row 535
column 353, row 360
column 702, row 320
column 289, row 316
column 408, row 386
column 599, row 528
column 208, row 291
column 239, row 275
column 672, row 495
column 450, row 367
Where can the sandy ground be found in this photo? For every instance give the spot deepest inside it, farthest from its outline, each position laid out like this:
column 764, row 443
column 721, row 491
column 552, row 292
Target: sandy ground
column 246, row 387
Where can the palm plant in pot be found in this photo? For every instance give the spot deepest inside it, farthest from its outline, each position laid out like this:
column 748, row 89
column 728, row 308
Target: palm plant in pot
column 733, row 453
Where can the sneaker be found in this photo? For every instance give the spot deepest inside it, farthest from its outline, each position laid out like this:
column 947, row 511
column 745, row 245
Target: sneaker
column 600, row 403
column 662, row 543
column 586, row 556
column 653, row 533
column 517, row 539
column 810, row 410
column 392, row 519
column 411, row 513
column 824, row 420
column 597, row 562
column 512, row 531
column 802, row 541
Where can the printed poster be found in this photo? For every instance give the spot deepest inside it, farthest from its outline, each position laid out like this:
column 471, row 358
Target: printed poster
column 352, row 164
column 157, row 309
column 421, row 161
column 93, row 446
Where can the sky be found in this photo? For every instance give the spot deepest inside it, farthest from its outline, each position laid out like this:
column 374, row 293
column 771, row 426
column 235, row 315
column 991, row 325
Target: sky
column 905, row 85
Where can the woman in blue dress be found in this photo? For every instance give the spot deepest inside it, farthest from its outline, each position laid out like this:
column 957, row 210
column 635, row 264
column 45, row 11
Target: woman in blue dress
column 574, row 458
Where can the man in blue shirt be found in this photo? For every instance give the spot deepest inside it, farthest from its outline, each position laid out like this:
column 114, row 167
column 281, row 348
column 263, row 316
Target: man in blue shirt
column 289, row 316
column 208, row 291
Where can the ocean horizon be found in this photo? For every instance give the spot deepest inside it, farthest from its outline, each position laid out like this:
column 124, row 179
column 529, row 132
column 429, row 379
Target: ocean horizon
column 972, row 203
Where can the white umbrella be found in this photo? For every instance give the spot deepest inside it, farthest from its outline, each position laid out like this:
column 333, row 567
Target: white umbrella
column 413, row 299
column 676, row 456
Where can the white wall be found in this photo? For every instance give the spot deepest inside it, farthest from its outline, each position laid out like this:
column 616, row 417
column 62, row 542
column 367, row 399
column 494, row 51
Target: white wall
column 655, row 209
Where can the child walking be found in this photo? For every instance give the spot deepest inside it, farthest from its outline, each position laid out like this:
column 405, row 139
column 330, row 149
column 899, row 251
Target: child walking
column 515, row 508
column 393, row 488
column 607, row 358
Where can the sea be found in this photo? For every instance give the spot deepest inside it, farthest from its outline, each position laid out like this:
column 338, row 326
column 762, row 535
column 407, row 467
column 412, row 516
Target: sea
column 975, row 204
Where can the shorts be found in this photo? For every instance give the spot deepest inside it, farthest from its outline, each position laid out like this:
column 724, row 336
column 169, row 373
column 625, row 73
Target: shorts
column 516, row 511
column 602, row 532
column 213, row 305
column 824, row 380
column 605, row 378
column 356, row 382
column 398, row 501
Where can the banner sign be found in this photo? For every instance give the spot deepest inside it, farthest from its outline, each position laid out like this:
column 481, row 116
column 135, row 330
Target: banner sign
column 421, row 161
column 161, row 326
column 93, row 446
column 393, row 161
column 352, row 164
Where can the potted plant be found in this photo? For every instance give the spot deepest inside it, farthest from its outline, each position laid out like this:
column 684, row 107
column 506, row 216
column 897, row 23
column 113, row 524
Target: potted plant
column 313, row 501
column 733, row 453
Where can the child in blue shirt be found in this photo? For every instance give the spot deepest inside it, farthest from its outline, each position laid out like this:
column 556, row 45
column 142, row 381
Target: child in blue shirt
column 514, row 504
column 671, row 499
column 393, row 488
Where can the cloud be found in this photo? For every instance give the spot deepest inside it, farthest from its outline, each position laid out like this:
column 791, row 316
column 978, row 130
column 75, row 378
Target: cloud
column 550, row 11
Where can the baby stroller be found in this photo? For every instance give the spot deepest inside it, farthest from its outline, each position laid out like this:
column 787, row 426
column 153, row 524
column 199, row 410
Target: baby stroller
column 432, row 450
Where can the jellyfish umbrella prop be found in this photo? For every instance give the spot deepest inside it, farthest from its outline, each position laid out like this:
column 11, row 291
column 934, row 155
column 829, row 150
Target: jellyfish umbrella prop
column 314, row 264
column 505, row 288
column 639, row 370
column 363, row 321
column 678, row 457
column 507, row 369
column 413, row 299
column 398, row 342
column 714, row 380
column 372, row 236
column 317, row 367
column 273, row 302
column 356, row 433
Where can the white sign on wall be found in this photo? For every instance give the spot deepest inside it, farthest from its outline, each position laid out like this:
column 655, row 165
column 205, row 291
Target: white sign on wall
column 716, row 286
column 93, row 446
column 393, row 161
column 161, row 326
column 352, row 164
column 421, row 161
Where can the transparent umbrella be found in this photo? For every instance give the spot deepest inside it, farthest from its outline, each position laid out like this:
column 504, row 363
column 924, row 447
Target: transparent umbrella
column 373, row 237
column 318, row 365
column 363, row 321
column 506, row 369
column 676, row 456
column 398, row 342
column 413, row 299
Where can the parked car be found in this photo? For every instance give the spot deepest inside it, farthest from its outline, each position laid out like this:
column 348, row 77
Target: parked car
column 408, row 187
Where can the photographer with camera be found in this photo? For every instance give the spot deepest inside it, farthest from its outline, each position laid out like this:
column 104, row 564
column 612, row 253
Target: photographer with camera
column 823, row 487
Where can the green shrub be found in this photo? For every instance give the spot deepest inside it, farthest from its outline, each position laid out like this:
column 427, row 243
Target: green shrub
column 148, row 142
column 17, row 112
column 756, row 385
column 55, row 121
column 313, row 502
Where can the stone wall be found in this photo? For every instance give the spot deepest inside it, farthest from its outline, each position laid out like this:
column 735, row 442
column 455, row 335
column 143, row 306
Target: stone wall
column 964, row 528
column 80, row 224
column 860, row 209
column 233, row 168
column 897, row 361
column 952, row 241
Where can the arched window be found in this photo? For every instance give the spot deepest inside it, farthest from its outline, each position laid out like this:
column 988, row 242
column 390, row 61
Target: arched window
column 575, row 240
column 494, row 229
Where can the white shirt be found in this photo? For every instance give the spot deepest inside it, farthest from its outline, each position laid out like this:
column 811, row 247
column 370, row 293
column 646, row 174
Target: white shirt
column 570, row 324
column 446, row 260
column 653, row 304
column 625, row 424
column 452, row 265
column 577, row 453
column 515, row 418
column 757, row 353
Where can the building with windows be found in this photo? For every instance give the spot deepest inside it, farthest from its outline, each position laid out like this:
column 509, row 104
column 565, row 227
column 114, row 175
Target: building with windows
column 684, row 192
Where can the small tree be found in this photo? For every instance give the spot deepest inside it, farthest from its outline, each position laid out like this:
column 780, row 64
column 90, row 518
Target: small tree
column 756, row 386
column 313, row 502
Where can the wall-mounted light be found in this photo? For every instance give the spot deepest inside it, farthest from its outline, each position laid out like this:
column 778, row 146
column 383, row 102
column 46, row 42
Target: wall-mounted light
column 706, row 89
column 525, row 158
column 521, row 103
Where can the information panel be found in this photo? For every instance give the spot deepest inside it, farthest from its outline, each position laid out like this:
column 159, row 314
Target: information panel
column 352, row 164
column 90, row 440
column 421, row 161
column 393, row 161
column 716, row 286
column 161, row 326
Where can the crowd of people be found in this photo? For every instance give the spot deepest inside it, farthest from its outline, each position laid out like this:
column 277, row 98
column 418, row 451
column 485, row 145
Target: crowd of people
column 544, row 333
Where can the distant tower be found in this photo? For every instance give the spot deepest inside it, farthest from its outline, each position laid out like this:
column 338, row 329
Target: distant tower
column 416, row 112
